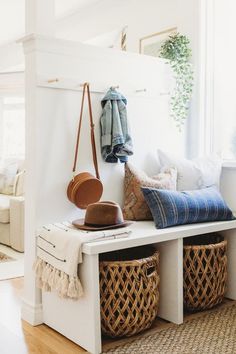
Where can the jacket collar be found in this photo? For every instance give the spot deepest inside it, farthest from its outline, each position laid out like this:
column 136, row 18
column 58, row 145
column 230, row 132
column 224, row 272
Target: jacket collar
column 112, row 95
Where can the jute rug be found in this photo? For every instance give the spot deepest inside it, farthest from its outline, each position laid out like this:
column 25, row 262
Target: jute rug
column 5, row 258
column 210, row 333
column 11, row 263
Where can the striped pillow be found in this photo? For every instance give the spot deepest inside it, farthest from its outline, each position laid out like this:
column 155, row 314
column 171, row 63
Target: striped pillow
column 171, row 208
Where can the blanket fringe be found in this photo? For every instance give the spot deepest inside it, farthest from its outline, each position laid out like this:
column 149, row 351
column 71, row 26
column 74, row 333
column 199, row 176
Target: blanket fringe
column 49, row 279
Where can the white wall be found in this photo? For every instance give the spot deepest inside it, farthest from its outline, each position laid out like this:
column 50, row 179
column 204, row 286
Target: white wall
column 58, row 111
column 1, row 126
column 11, row 57
column 143, row 18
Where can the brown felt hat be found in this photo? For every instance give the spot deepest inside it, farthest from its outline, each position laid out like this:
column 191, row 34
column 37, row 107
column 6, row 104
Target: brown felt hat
column 102, row 216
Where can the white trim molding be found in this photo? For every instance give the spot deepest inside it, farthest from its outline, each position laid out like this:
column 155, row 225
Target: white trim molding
column 206, row 76
column 32, row 314
column 229, row 164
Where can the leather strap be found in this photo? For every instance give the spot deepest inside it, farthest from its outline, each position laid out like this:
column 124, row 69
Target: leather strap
column 95, row 162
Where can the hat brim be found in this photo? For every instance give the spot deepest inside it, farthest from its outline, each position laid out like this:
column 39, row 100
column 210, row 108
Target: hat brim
column 79, row 224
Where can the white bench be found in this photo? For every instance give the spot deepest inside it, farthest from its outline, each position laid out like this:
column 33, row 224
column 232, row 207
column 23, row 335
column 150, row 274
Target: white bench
column 80, row 320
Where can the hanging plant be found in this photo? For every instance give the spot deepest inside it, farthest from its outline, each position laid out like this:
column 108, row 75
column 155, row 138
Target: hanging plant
column 177, row 50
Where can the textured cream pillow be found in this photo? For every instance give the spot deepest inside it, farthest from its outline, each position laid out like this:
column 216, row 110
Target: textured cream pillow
column 135, row 206
column 193, row 174
column 8, row 172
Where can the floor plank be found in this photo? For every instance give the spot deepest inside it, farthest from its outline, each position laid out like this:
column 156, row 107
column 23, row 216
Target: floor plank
column 19, row 337
column 48, row 338
column 10, row 343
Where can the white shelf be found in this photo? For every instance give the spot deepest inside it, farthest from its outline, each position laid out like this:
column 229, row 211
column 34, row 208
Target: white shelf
column 144, row 232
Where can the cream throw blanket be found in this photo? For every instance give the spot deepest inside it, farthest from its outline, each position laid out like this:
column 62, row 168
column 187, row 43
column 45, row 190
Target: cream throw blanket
column 59, row 251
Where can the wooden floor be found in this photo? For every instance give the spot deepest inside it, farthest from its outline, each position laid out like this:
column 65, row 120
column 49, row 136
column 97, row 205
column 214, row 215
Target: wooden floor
column 18, row 337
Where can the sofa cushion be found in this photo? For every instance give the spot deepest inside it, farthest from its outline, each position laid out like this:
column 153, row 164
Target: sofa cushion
column 4, row 208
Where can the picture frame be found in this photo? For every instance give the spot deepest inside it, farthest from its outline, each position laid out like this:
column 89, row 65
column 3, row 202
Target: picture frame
column 151, row 45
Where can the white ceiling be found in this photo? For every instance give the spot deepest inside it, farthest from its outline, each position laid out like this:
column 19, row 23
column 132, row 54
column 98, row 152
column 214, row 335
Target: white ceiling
column 11, row 20
column 12, row 15
column 67, row 7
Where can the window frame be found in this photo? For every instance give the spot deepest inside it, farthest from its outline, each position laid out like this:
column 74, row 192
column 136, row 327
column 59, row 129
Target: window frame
column 209, row 130
column 11, row 107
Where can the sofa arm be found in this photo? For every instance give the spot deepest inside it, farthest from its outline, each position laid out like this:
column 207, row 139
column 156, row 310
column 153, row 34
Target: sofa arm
column 17, row 223
column 19, row 183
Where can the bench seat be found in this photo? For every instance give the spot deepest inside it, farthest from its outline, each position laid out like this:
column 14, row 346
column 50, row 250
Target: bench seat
column 145, row 232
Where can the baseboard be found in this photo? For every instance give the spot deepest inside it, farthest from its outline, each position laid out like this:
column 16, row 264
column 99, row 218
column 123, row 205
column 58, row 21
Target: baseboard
column 32, row 314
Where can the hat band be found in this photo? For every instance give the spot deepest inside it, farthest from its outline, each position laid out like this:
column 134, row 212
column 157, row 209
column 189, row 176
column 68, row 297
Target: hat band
column 101, row 225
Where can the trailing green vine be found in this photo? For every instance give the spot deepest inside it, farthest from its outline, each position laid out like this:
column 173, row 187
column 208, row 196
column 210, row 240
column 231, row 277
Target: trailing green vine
column 177, row 50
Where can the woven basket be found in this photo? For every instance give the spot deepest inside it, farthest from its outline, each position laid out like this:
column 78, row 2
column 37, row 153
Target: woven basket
column 205, row 271
column 129, row 291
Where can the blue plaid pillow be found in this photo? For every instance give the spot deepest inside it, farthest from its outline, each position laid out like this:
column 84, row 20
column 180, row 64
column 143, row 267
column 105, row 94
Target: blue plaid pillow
column 171, row 208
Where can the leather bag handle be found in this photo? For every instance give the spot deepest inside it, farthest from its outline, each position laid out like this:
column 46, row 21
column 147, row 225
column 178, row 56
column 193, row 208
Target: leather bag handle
column 95, row 162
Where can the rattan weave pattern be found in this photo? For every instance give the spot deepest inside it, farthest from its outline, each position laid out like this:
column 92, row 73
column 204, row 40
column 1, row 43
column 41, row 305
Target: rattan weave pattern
column 129, row 292
column 205, row 274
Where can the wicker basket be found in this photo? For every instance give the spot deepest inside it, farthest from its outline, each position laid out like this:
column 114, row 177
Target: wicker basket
column 129, row 290
column 205, row 271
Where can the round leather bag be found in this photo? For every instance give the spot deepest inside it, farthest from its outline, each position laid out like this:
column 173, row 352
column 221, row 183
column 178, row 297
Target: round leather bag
column 84, row 189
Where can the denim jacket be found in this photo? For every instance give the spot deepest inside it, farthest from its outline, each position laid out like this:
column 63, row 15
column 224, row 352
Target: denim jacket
column 116, row 143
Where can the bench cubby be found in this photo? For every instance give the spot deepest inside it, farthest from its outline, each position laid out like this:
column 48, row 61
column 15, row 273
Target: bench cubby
column 80, row 320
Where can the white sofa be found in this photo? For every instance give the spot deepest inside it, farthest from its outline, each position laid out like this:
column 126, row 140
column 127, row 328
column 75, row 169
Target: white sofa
column 12, row 214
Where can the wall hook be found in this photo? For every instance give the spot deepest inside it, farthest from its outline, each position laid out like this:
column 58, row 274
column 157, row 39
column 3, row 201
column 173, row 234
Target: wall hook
column 114, row 87
column 141, row 90
column 84, row 83
column 165, row 93
column 50, row 81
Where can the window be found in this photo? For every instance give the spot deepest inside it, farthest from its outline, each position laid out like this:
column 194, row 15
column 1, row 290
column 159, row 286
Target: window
column 217, row 81
column 225, row 134
column 224, row 83
column 13, row 128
